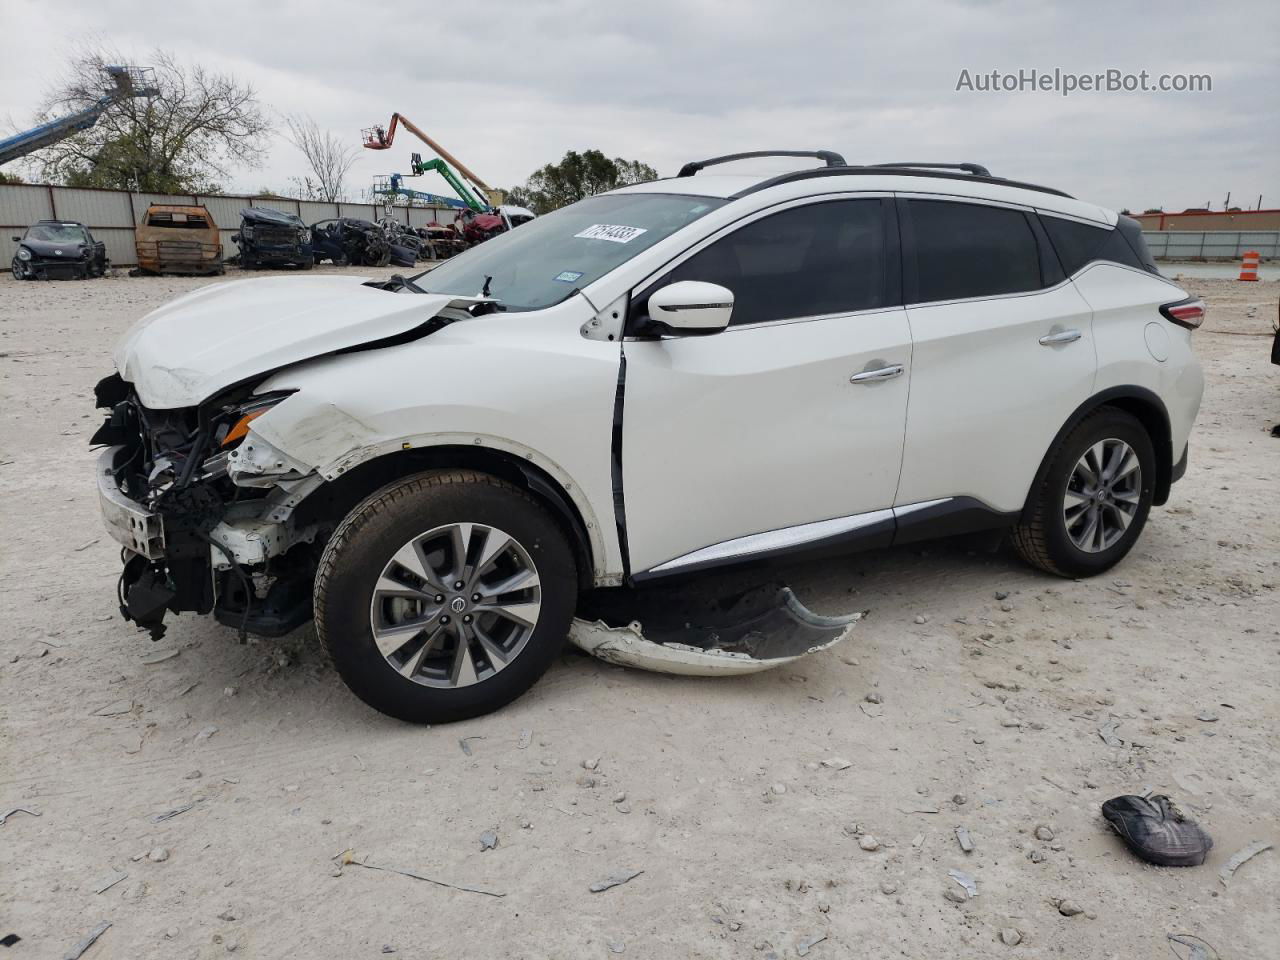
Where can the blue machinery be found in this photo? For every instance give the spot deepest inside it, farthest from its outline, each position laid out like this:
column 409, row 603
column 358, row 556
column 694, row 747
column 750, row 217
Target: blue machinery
column 127, row 83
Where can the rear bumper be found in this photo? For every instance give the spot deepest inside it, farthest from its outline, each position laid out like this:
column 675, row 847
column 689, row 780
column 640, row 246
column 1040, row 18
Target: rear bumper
column 130, row 524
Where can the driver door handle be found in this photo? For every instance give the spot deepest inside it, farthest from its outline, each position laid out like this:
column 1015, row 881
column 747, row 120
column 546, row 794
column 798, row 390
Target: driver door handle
column 1063, row 336
column 878, row 374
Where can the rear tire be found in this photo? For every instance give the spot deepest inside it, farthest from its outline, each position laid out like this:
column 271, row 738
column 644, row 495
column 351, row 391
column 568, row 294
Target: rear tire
column 1089, row 507
column 445, row 671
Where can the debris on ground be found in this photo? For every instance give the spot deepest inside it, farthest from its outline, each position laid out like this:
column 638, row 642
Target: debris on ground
column 1107, row 732
column 1044, row 832
column 691, row 632
column 347, row 858
column 965, row 880
column 465, row 745
column 158, row 854
column 614, row 880
column 1155, row 830
column 1069, row 908
column 107, row 883
column 965, row 841
column 805, row 944
column 868, row 843
column 9, row 813
column 1198, row 949
column 526, row 738
column 488, row 840
column 170, row 814
column 78, row 951
column 114, row 709
column 159, row 656
column 1238, row 859
column 1010, row 937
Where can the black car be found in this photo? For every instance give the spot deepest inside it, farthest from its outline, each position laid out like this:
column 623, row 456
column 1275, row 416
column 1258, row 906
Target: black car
column 59, row 250
column 272, row 238
column 347, row 240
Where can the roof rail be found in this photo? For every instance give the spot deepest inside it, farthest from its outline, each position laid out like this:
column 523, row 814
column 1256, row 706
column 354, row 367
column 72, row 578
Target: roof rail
column 914, row 170
column 832, row 159
column 977, row 169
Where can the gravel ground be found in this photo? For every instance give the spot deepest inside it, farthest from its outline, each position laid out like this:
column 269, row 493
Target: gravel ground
column 716, row 789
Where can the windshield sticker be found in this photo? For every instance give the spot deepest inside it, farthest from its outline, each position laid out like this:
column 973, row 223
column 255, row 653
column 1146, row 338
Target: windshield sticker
column 612, row 232
column 568, row 276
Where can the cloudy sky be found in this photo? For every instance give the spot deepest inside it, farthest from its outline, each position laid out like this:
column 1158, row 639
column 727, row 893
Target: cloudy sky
column 508, row 86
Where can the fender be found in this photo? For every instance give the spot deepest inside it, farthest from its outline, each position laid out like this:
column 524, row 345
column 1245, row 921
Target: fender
column 603, row 554
column 1147, row 407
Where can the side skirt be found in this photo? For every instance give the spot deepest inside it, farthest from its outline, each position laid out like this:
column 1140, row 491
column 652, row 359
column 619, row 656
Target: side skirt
column 863, row 531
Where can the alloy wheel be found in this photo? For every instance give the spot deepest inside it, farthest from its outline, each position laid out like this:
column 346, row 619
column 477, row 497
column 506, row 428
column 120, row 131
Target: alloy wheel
column 1103, row 495
column 455, row 605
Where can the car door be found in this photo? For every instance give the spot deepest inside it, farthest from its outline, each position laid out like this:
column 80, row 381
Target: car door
column 1002, row 354
column 786, row 428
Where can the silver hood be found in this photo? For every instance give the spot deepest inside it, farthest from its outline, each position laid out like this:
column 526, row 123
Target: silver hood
column 199, row 344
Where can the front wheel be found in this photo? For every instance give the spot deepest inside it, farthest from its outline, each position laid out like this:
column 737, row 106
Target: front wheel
column 19, row 272
column 1093, row 499
column 444, row 596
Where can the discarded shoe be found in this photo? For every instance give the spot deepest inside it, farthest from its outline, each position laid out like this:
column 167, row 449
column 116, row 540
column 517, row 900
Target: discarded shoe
column 1157, row 831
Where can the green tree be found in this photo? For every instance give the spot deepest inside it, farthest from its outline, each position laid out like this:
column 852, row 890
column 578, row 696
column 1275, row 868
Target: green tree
column 183, row 141
column 576, row 176
column 10, row 178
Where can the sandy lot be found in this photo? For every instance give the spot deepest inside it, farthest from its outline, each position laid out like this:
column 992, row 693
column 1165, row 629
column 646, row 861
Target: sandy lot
column 749, row 846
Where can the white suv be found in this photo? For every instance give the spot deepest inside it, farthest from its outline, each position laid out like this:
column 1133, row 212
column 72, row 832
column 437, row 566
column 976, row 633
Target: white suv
column 677, row 375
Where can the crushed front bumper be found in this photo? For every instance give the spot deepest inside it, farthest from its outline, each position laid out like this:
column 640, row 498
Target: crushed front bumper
column 130, row 524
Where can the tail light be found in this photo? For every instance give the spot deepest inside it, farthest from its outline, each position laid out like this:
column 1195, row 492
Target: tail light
column 1187, row 313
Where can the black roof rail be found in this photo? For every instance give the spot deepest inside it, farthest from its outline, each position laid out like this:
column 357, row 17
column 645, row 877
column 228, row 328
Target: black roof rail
column 977, row 169
column 832, row 159
column 894, row 171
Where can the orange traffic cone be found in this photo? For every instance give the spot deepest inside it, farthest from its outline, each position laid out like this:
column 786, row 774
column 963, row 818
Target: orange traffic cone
column 1249, row 265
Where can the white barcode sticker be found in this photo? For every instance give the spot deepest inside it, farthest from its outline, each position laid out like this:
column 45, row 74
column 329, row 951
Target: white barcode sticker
column 614, row 233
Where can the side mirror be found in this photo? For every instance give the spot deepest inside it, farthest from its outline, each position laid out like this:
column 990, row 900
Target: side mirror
column 691, row 308
column 16, row 239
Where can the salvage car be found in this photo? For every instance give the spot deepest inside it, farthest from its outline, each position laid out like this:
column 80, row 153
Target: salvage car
column 59, row 250
column 346, row 240
column 712, row 369
column 178, row 238
column 273, row 238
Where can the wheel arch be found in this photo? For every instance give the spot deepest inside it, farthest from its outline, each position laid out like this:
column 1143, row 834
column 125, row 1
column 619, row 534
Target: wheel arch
column 353, row 484
column 1139, row 402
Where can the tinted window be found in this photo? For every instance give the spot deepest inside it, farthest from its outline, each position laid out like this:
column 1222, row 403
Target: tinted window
column 808, row 261
column 1079, row 243
column 969, row 250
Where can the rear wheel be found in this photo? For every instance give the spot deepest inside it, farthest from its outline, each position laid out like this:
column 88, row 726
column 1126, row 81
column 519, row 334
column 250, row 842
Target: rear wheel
column 1094, row 498
column 445, row 596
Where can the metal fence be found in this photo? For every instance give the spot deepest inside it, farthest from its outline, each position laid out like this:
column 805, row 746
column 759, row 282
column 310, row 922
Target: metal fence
column 113, row 214
column 1211, row 244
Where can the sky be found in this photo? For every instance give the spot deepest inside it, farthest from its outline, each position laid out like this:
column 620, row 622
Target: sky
column 510, row 86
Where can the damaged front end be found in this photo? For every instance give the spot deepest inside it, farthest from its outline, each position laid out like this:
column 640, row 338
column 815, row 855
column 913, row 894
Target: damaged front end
column 205, row 515
column 701, row 631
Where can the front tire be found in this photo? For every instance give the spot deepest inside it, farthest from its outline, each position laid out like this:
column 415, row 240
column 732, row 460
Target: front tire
column 1093, row 499
column 444, row 596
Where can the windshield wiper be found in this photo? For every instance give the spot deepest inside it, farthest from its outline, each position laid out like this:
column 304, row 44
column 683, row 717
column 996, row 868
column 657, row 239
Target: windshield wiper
column 396, row 282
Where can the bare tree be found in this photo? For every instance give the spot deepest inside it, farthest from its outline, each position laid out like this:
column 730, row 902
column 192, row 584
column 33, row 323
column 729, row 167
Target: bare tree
column 200, row 126
column 329, row 158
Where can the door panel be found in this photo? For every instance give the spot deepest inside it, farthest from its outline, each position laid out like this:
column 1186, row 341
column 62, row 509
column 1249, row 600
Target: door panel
column 987, row 397
column 759, row 428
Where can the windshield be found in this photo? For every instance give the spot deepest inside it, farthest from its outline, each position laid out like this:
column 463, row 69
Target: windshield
column 57, row 232
column 542, row 262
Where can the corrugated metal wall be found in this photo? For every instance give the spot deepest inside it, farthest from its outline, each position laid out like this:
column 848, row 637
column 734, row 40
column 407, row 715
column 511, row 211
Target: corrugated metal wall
column 1211, row 244
column 112, row 214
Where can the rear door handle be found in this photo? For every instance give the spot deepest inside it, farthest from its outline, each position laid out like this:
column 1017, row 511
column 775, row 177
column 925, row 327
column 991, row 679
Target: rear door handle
column 1064, row 336
column 878, row 374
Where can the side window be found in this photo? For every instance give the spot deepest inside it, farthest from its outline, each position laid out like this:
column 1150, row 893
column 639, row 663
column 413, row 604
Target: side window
column 1079, row 243
column 824, row 258
column 972, row 250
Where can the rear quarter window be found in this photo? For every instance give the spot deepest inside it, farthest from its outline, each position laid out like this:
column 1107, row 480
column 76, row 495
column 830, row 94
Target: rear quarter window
column 1079, row 244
